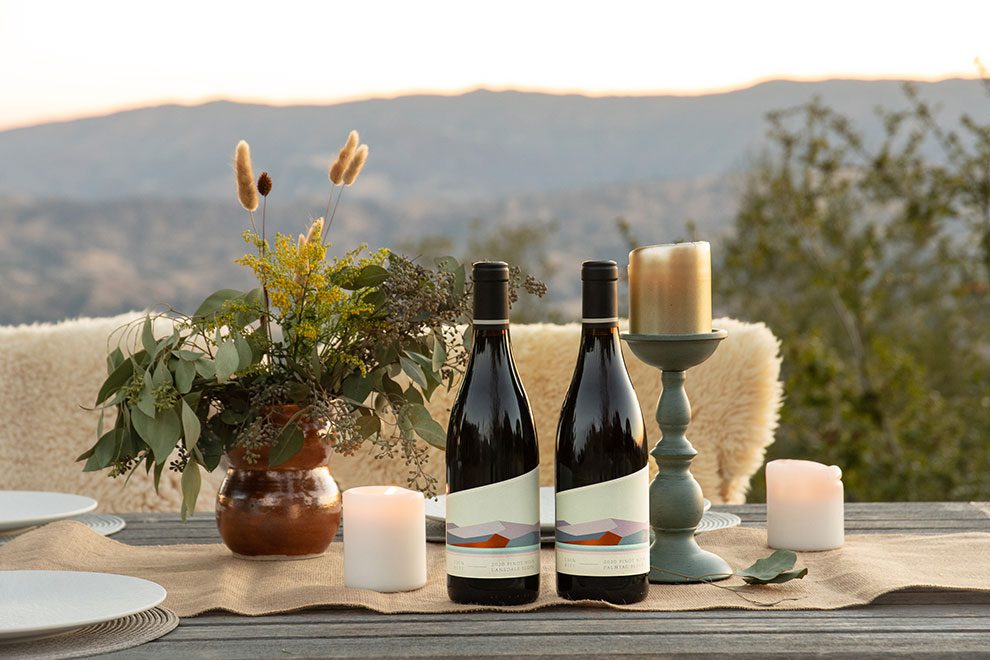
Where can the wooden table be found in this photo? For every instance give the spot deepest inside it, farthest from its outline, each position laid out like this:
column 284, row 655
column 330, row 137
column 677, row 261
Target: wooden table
column 910, row 622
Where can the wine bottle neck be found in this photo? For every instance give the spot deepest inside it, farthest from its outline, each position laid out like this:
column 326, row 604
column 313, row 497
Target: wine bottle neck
column 491, row 305
column 599, row 304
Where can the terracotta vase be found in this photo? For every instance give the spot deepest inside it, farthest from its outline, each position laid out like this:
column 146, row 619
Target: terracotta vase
column 291, row 511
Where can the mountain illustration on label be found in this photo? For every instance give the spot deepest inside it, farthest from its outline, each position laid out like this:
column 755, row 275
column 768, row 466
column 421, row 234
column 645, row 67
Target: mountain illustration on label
column 609, row 531
column 496, row 534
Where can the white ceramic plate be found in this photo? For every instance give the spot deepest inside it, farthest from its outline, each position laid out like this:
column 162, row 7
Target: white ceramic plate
column 27, row 508
column 436, row 508
column 39, row 603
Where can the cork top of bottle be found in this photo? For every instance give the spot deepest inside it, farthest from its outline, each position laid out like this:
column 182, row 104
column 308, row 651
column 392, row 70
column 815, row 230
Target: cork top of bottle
column 490, row 271
column 599, row 271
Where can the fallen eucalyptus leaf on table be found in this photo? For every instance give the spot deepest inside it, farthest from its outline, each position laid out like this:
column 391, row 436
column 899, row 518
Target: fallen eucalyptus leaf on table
column 775, row 569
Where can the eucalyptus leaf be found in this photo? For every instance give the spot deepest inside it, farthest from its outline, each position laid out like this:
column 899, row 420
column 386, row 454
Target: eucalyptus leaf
column 160, row 433
column 146, row 401
column 255, row 302
column 227, row 360
column 121, row 374
column 413, row 370
column 191, row 482
column 104, row 452
column 425, row 426
column 206, row 368
column 439, row 353
column 183, row 354
column 148, row 337
column 114, row 360
column 161, row 376
column 159, row 468
column 289, row 442
column 370, row 276
column 368, row 425
column 412, row 395
column 185, row 374
column 357, row 388
column 391, row 388
column 214, row 302
column 191, row 426
column 774, row 569
column 243, row 352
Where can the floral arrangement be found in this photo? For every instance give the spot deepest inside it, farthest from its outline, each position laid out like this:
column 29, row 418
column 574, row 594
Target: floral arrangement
column 356, row 343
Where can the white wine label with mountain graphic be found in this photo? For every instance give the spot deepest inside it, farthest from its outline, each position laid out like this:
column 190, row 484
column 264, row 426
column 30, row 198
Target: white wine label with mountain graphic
column 603, row 529
column 493, row 531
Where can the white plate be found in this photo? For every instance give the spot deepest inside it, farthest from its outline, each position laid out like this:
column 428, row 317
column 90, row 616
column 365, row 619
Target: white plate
column 436, row 508
column 27, row 508
column 38, row 603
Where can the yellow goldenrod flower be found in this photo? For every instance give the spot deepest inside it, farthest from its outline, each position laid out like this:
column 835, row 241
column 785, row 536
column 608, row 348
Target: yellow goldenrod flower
column 247, row 192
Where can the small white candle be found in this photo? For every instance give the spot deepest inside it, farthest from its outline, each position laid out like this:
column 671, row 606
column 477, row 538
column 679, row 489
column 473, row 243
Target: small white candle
column 670, row 289
column 384, row 538
column 804, row 506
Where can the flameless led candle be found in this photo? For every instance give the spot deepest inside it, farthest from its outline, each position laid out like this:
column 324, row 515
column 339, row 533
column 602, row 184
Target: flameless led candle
column 804, row 506
column 670, row 289
column 384, row 538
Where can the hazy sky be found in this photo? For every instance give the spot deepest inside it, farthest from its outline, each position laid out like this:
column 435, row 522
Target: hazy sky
column 69, row 58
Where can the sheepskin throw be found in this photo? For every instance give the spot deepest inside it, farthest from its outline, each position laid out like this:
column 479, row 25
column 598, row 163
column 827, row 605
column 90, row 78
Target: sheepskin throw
column 48, row 372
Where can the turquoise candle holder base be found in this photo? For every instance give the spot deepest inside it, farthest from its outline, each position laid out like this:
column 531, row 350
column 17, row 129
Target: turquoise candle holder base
column 676, row 502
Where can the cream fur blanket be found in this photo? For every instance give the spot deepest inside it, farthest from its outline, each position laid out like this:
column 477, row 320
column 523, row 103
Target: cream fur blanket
column 48, row 372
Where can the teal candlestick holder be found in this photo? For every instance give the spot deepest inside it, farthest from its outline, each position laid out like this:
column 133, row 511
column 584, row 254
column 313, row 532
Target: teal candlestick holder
column 676, row 502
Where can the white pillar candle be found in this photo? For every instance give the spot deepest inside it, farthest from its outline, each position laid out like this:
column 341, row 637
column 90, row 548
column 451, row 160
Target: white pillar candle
column 384, row 538
column 804, row 505
column 670, row 289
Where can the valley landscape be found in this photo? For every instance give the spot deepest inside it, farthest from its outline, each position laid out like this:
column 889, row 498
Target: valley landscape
column 94, row 212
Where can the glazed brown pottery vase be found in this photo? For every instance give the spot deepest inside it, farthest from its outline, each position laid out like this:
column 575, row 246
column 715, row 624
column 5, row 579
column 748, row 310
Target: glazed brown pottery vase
column 291, row 511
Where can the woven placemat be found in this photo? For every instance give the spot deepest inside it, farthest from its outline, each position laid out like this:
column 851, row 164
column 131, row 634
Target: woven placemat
column 124, row 633
column 101, row 523
column 206, row 577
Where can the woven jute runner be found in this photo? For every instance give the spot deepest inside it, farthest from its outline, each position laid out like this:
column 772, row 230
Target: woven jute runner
column 200, row 578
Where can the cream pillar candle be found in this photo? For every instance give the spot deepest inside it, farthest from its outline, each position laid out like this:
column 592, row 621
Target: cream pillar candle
column 670, row 289
column 804, row 505
column 384, row 538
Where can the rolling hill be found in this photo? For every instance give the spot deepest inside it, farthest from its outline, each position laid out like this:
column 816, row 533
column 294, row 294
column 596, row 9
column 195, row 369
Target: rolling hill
column 95, row 212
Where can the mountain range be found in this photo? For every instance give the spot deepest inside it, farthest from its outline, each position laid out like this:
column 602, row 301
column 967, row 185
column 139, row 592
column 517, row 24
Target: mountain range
column 121, row 211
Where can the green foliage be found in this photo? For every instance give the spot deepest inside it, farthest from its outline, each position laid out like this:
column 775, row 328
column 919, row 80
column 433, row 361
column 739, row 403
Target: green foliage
column 327, row 337
column 871, row 262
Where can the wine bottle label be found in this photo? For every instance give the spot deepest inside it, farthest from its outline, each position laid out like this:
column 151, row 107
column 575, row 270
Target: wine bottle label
column 603, row 529
column 493, row 531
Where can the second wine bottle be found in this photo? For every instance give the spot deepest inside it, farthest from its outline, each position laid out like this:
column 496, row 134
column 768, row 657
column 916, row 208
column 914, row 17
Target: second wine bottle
column 602, row 496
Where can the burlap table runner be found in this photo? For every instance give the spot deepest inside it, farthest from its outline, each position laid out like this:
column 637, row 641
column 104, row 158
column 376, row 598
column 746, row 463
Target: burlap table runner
column 207, row 577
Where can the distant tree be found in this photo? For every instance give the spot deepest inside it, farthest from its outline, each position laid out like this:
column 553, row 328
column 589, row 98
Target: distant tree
column 871, row 262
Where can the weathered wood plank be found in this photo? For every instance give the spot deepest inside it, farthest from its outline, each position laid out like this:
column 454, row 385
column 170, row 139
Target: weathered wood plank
column 631, row 625
column 656, row 642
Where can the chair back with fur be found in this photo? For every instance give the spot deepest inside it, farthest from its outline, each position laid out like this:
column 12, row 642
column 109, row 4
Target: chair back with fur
column 49, row 372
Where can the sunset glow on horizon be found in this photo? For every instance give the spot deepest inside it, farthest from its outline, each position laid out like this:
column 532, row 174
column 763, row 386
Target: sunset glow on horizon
column 77, row 59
